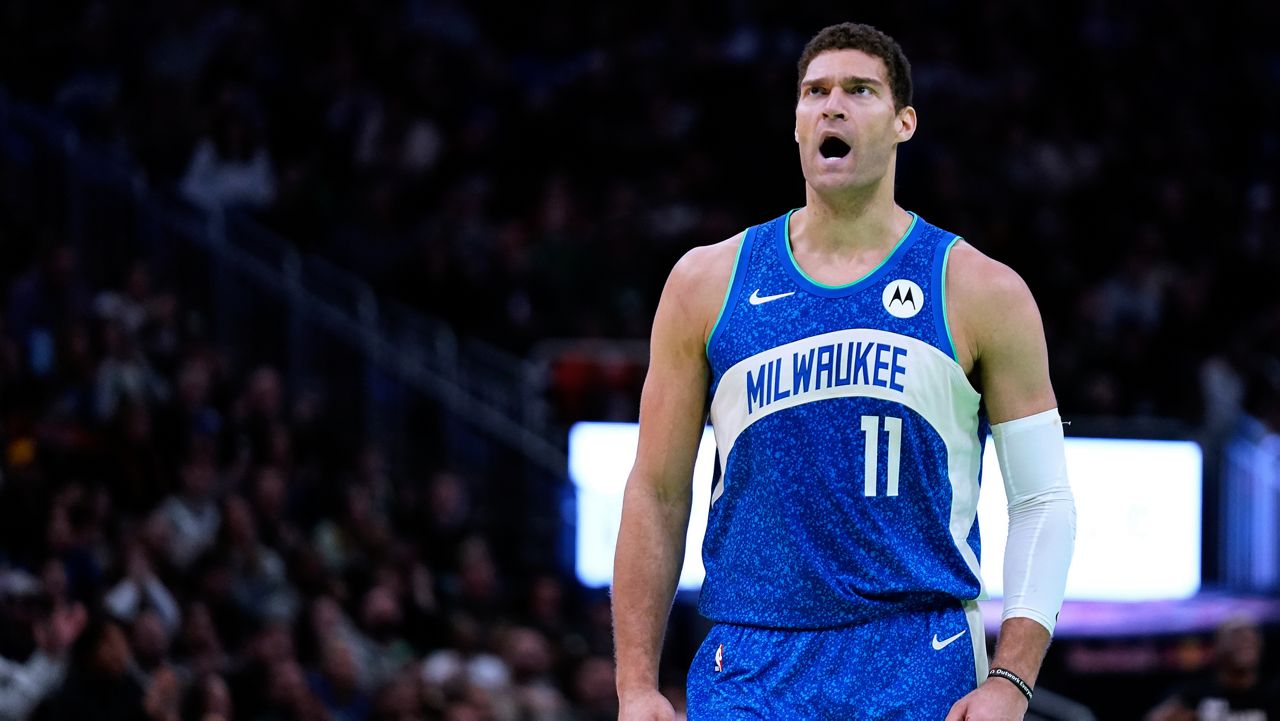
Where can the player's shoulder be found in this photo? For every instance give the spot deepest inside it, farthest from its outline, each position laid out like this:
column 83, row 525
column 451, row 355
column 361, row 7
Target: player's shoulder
column 987, row 301
column 982, row 283
column 699, row 281
column 703, row 273
column 706, row 263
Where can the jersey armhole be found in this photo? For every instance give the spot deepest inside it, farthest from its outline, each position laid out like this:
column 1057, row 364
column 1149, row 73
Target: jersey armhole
column 735, row 284
column 940, row 319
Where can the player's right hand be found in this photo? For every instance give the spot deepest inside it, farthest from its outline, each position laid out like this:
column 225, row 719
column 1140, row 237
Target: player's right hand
column 648, row 705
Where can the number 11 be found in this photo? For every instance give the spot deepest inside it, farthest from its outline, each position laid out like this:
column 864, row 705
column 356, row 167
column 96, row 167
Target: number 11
column 871, row 427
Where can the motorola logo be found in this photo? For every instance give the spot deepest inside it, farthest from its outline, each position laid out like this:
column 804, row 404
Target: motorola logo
column 903, row 298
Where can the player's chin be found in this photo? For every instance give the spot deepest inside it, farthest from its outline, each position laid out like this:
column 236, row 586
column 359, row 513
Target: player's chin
column 833, row 181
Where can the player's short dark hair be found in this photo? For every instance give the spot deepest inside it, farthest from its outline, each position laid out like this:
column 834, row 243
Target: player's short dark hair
column 854, row 36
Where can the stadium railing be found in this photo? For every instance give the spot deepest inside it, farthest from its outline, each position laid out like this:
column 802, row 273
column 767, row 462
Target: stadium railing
column 325, row 327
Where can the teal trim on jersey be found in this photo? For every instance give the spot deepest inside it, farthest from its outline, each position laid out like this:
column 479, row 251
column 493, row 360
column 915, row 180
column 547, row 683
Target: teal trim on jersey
column 732, row 290
column 786, row 242
column 946, row 319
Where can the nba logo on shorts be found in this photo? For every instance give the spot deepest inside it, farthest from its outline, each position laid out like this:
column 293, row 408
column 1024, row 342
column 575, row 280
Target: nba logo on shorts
column 720, row 658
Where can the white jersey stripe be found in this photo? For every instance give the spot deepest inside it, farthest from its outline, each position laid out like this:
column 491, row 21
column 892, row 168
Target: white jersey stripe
column 919, row 376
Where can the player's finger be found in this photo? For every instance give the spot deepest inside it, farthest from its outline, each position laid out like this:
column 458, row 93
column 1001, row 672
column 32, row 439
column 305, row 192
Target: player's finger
column 957, row 711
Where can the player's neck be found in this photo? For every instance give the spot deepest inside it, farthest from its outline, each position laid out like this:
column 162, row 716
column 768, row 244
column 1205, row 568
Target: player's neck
column 852, row 221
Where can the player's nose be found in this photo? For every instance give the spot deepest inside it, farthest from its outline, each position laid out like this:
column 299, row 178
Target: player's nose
column 833, row 109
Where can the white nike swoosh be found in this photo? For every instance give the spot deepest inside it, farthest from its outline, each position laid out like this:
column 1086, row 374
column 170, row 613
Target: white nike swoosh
column 939, row 645
column 756, row 298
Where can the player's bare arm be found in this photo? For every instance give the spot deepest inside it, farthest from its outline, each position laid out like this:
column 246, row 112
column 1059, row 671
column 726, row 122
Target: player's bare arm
column 1001, row 344
column 998, row 334
column 656, row 505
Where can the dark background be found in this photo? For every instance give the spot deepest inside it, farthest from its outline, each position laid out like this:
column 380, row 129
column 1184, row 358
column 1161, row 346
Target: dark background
column 516, row 180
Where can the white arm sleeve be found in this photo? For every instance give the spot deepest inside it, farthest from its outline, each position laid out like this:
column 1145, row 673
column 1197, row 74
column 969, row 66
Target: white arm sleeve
column 1042, row 516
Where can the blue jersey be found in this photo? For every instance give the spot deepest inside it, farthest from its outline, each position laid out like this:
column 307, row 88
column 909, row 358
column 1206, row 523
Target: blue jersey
column 849, row 441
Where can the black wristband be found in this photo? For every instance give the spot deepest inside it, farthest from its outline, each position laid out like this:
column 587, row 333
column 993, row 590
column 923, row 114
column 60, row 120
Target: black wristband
column 1012, row 678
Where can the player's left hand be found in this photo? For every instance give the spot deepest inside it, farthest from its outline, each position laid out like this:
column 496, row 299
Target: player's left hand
column 995, row 700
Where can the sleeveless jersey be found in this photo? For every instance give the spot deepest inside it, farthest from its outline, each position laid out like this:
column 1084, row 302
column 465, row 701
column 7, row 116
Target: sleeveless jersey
column 849, row 441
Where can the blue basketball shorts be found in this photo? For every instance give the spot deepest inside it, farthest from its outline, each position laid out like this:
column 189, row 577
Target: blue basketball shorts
column 909, row 667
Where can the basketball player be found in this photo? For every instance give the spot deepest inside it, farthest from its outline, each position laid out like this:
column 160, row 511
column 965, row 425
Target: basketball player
column 842, row 347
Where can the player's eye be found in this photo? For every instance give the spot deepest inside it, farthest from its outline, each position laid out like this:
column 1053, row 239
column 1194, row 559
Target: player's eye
column 813, row 90
column 861, row 90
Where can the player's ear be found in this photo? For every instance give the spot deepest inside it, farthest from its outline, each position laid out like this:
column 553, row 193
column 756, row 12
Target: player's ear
column 906, row 123
column 797, row 131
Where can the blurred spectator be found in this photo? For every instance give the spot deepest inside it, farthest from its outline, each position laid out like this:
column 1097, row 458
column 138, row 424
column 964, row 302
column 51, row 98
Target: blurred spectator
column 529, row 657
column 448, row 521
column 128, row 307
column 75, row 540
column 141, row 590
column 198, row 647
column 139, row 474
column 230, row 167
column 208, row 699
column 23, row 686
column 594, row 690
column 463, row 664
column 124, row 375
column 383, row 651
column 53, row 579
column 288, row 696
column 256, row 414
column 270, row 645
column 194, row 414
column 548, row 614
column 466, row 711
column 336, row 684
column 478, row 586
column 149, row 642
column 188, row 522
column 270, row 502
column 42, row 305
column 1232, row 687
column 400, row 699
column 259, row 584
column 163, row 698
column 212, row 581
column 359, row 533
column 98, row 684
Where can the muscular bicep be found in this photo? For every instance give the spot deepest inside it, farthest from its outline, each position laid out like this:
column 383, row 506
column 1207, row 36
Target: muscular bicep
column 1013, row 359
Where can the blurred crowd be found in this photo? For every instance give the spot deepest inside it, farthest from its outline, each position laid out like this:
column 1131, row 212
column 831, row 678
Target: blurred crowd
column 183, row 539
column 548, row 162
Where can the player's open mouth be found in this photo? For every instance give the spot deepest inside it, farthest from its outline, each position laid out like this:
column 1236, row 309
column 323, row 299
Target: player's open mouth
column 834, row 147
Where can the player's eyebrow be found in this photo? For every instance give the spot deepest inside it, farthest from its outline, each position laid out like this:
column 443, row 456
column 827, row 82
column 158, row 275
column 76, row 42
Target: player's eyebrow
column 846, row 80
